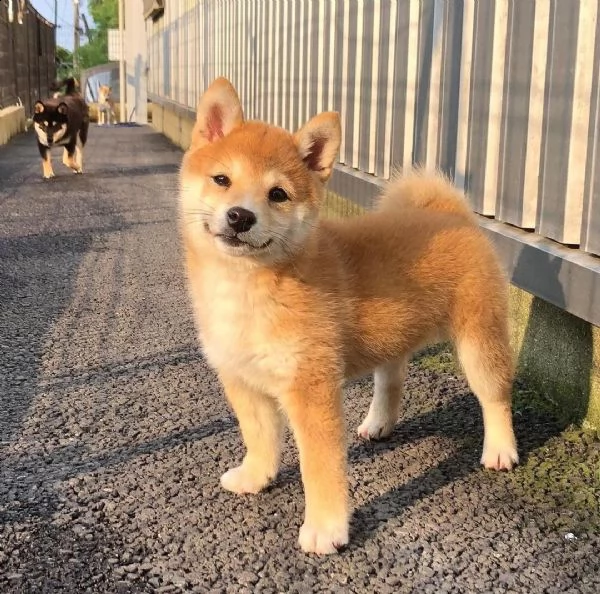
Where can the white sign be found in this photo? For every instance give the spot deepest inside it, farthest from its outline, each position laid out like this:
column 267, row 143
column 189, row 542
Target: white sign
column 113, row 45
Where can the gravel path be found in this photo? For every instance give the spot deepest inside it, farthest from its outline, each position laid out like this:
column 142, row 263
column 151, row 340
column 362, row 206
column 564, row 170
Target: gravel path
column 113, row 431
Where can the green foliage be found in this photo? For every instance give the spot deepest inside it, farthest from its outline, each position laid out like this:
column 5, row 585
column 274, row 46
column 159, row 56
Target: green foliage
column 95, row 51
column 64, row 63
column 105, row 13
column 106, row 16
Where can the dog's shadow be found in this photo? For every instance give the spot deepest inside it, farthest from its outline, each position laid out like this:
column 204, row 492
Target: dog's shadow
column 459, row 420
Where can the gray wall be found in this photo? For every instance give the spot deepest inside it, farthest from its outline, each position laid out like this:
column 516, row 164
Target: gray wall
column 136, row 62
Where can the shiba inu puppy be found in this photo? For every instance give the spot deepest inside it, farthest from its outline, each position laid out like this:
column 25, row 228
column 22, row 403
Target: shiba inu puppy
column 62, row 121
column 288, row 306
column 106, row 112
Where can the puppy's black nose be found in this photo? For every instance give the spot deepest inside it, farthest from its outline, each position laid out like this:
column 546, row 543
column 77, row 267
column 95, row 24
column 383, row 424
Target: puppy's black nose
column 240, row 219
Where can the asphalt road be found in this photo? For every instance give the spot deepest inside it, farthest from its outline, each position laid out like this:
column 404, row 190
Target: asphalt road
column 114, row 432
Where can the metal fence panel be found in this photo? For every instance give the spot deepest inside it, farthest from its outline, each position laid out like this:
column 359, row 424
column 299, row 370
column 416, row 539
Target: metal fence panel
column 450, row 77
column 515, row 114
column 556, row 136
column 591, row 220
column 501, row 95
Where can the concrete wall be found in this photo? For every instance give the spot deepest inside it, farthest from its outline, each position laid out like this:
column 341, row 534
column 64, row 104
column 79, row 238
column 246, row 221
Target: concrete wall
column 136, row 62
column 176, row 127
column 12, row 121
column 558, row 354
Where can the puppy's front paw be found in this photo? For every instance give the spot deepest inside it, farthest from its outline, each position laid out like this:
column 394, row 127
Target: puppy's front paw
column 376, row 427
column 500, row 456
column 323, row 540
column 49, row 175
column 244, row 479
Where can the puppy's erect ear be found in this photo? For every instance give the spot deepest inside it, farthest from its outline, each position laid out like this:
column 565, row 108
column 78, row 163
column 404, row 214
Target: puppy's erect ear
column 219, row 112
column 62, row 108
column 318, row 142
column 38, row 107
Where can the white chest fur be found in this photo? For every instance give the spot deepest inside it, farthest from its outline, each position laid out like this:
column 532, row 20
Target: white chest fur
column 242, row 331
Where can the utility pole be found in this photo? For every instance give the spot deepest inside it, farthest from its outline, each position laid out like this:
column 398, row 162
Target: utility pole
column 86, row 26
column 56, row 22
column 75, row 35
column 122, row 85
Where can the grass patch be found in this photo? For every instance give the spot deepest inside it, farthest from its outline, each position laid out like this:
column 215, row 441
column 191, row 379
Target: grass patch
column 563, row 477
column 439, row 358
column 336, row 206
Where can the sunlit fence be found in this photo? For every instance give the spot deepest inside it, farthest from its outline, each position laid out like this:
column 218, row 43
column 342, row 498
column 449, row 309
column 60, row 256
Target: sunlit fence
column 503, row 95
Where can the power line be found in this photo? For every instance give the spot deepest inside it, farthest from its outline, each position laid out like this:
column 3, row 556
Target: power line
column 51, row 8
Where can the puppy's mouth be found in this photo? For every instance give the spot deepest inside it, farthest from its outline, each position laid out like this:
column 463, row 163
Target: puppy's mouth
column 233, row 240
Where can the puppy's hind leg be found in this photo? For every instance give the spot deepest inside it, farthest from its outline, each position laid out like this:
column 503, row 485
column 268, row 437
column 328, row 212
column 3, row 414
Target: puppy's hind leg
column 79, row 158
column 79, row 144
column 72, row 158
column 385, row 406
column 487, row 362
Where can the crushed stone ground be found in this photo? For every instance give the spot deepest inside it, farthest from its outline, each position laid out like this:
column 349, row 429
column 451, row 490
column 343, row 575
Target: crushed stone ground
column 114, row 432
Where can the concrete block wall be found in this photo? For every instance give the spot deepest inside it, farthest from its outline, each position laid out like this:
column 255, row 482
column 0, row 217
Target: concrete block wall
column 12, row 121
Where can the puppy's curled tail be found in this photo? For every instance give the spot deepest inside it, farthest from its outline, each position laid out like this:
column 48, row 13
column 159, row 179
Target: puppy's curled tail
column 70, row 86
column 428, row 190
column 69, row 83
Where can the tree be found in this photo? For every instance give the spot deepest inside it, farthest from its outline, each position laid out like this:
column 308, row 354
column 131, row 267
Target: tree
column 105, row 13
column 64, row 62
column 106, row 16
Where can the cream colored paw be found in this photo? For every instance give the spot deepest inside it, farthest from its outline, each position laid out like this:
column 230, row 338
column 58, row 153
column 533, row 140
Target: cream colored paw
column 323, row 540
column 376, row 427
column 500, row 456
column 48, row 175
column 242, row 480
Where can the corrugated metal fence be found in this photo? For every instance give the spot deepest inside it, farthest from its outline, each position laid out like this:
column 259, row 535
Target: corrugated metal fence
column 27, row 50
column 502, row 95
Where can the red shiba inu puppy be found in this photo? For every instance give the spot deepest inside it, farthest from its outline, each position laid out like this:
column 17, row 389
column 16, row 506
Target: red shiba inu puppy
column 106, row 106
column 288, row 306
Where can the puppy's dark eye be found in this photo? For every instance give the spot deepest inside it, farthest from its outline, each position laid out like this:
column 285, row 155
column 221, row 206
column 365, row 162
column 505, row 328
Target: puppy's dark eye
column 222, row 180
column 278, row 195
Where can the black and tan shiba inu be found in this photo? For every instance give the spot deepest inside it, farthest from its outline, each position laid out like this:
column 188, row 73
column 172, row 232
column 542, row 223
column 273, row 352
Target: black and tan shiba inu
column 62, row 121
